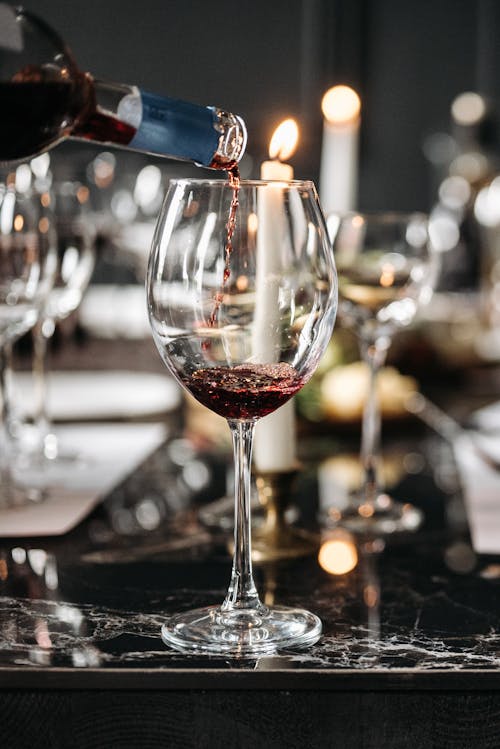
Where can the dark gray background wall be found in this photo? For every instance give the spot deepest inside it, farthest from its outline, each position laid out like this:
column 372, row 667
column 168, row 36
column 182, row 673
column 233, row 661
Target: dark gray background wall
column 267, row 59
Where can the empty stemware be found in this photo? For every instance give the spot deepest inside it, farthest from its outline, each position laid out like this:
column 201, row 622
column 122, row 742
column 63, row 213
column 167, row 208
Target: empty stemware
column 386, row 268
column 27, row 269
column 76, row 258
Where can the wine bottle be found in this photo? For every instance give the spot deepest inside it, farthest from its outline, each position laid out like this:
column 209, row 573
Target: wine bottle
column 44, row 98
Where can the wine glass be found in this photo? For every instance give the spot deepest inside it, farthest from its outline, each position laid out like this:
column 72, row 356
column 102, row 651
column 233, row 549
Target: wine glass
column 27, row 269
column 75, row 263
column 242, row 300
column 386, row 269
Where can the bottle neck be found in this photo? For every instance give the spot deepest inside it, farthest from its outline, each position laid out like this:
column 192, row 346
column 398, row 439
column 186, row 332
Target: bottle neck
column 232, row 140
column 128, row 116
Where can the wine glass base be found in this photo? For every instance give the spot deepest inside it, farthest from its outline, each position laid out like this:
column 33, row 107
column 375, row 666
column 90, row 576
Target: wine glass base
column 67, row 460
column 53, row 453
column 382, row 518
column 39, row 471
column 241, row 634
column 16, row 495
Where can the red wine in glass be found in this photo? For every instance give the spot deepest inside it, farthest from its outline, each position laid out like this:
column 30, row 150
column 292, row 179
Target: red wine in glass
column 247, row 391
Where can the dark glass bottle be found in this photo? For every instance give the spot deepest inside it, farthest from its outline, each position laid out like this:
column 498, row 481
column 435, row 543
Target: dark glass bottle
column 44, row 98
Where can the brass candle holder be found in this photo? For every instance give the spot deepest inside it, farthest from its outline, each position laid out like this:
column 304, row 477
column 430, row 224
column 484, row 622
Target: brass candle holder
column 276, row 539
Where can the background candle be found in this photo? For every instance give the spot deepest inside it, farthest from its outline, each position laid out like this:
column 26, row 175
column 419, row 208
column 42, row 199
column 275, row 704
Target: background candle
column 339, row 154
column 275, row 440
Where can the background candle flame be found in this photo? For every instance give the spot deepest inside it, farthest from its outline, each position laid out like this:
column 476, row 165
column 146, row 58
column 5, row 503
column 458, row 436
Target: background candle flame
column 341, row 105
column 284, row 140
column 338, row 556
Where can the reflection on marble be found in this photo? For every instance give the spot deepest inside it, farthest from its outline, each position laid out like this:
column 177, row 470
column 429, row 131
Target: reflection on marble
column 96, row 598
column 411, row 628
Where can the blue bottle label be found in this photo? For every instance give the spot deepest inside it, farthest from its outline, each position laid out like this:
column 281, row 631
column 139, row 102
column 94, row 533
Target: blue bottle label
column 176, row 128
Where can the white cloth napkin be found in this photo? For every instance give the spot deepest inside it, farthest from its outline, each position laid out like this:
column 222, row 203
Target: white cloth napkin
column 488, row 418
column 102, row 395
column 481, row 486
column 109, row 311
column 105, row 455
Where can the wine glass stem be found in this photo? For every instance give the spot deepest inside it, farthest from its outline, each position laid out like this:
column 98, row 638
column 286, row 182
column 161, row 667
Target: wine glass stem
column 5, row 394
column 374, row 355
column 242, row 593
column 6, row 385
column 40, row 417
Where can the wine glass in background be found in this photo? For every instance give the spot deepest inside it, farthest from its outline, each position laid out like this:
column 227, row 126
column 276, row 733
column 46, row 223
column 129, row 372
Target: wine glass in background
column 135, row 204
column 242, row 301
column 75, row 263
column 27, row 269
column 125, row 196
column 386, row 269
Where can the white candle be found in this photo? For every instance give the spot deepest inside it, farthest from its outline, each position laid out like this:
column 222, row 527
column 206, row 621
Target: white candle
column 275, row 440
column 338, row 180
column 276, row 170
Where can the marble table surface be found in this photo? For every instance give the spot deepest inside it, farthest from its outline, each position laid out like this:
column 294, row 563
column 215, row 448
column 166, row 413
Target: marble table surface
column 421, row 611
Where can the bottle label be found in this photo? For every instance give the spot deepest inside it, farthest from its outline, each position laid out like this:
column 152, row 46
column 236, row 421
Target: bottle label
column 176, row 128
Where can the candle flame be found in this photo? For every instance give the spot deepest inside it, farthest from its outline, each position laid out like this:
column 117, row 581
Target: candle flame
column 468, row 108
column 82, row 194
column 338, row 556
column 366, row 510
column 252, row 223
column 242, row 283
column 284, row 140
column 371, row 596
column 341, row 105
column 387, row 276
column 43, row 225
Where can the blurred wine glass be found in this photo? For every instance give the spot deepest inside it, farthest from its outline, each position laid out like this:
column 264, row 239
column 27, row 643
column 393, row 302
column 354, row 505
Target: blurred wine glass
column 28, row 263
column 75, row 263
column 386, row 268
column 126, row 197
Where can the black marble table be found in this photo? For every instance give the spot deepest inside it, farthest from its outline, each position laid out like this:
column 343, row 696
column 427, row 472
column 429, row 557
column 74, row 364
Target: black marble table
column 409, row 657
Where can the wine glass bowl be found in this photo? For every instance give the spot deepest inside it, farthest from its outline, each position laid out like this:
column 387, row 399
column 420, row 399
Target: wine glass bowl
column 27, row 269
column 386, row 270
column 76, row 249
column 27, row 258
column 216, row 335
column 242, row 300
column 384, row 263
